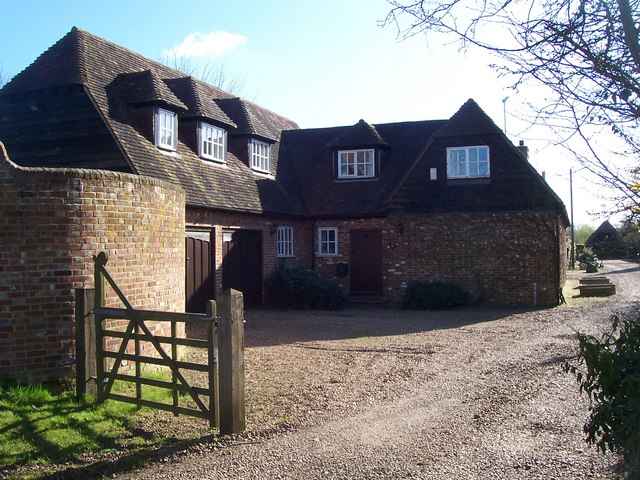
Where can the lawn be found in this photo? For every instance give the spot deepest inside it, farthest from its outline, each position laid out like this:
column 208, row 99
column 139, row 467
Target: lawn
column 44, row 429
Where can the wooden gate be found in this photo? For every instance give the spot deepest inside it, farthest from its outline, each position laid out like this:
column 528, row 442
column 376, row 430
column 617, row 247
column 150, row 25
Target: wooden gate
column 242, row 264
column 225, row 405
column 366, row 262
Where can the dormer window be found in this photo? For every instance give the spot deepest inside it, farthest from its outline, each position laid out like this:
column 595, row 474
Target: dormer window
column 212, row 142
column 356, row 163
column 260, row 156
column 468, row 162
column 166, row 129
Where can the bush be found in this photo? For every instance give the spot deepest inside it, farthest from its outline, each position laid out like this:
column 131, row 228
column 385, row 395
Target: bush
column 434, row 296
column 588, row 260
column 303, row 289
column 608, row 371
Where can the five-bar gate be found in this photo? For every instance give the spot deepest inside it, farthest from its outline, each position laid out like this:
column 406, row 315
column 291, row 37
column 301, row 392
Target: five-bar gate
column 107, row 363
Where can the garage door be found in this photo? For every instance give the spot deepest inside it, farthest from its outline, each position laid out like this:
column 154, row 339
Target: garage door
column 242, row 264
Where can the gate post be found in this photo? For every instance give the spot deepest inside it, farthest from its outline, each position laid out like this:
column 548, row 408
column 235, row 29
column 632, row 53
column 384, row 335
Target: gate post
column 231, row 358
column 85, row 343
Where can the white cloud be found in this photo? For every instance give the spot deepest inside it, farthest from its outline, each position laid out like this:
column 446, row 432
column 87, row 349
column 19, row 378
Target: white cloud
column 198, row 44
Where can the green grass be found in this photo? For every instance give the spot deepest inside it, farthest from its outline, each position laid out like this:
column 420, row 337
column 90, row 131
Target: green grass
column 363, row 341
column 572, row 295
column 44, row 427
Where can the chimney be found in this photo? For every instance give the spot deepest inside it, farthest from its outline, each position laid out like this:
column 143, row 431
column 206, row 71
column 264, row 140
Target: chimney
column 524, row 150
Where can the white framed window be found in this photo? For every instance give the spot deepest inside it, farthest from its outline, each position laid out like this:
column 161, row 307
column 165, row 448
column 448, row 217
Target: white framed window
column 166, row 129
column 356, row 163
column 213, row 142
column 260, row 156
column 284, row 242
column 327, row 241
column 468, row 162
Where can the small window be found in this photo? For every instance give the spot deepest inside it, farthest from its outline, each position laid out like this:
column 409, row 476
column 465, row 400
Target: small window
column 166, row 129
column 284, row 243
column 212, row 142
column 260, row 156
column 468, row 162
column 328, row 241
column 356, row 163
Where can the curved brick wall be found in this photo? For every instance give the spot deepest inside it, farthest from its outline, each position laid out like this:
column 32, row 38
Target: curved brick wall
column 51, row 223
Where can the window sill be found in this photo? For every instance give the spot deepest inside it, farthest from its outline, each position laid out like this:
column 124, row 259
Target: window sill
column 262, row 173
column 168, row 153
column 356, row 179
column 212, row 161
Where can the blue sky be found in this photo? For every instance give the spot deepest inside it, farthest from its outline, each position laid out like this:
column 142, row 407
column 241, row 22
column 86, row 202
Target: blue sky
column 318, row 62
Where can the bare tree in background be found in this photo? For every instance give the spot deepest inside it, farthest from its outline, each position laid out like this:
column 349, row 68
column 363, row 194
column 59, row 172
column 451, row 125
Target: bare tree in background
column 216, row 75
column 584, row 52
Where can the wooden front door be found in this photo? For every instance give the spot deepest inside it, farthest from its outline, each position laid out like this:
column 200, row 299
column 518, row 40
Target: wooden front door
column 242, row 264
column 366, row 262
column 199, row 281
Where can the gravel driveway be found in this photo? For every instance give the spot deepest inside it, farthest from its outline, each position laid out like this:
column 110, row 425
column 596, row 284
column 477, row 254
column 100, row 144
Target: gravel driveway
column 381, row 393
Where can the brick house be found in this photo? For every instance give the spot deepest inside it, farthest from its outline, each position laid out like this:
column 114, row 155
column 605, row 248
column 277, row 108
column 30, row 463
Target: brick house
column 374, row 206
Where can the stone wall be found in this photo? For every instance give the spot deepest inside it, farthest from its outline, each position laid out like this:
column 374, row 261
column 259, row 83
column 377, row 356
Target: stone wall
column 51, row 223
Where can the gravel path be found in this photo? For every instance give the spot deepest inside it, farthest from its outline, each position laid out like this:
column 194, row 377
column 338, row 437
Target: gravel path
column 390, row 394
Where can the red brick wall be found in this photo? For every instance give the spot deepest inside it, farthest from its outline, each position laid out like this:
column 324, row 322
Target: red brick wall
column 326, row 265
column 51, row 223
column 212, row 219
column 497, row 257
column 500, row 258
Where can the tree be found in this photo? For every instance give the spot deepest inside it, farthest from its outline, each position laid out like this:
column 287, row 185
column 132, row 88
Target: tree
column 217, row 75
column 582, row 232
column 586, row 55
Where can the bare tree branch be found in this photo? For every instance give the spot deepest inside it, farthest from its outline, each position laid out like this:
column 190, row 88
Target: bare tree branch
column 585, row 53
column 216, row 75
column 630, row 31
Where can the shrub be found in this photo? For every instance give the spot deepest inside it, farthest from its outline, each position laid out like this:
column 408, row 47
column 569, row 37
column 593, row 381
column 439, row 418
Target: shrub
column 588, row 260
column 608, row 371
column 303, row 289
column 434, row 296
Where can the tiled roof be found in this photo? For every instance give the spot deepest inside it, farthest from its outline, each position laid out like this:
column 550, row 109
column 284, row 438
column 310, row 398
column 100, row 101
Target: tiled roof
column 603, row 232
column 145, row 87
column 199, row 100
column 248, row 118
column 360, row 135
column 315, row 164
column 100, row 66
column 303, row 178
column 469, row 120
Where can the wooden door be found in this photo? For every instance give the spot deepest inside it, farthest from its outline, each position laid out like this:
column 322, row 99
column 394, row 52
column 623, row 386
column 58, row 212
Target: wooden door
column 199, row 281
column 366, row 262
column 242, row 264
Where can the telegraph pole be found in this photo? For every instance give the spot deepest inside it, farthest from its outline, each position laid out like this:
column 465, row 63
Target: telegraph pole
column 504, row 113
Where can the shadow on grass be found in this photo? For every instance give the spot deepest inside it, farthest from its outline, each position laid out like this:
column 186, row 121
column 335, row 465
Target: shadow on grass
column 122, row 448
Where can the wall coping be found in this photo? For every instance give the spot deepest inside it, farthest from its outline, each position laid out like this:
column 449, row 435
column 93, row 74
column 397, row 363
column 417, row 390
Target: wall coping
column 86, row 173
